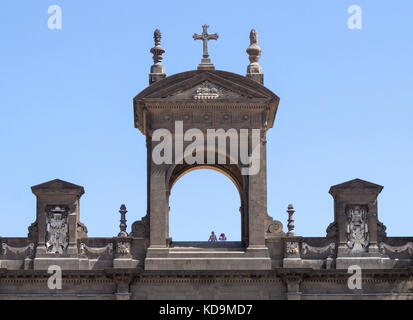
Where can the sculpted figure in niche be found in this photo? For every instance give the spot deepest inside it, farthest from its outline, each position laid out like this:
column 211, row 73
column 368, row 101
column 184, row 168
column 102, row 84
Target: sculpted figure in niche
column 57, row 241
column 357, row 229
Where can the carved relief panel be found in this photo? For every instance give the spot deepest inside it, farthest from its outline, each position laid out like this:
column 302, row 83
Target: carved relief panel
column 56, row 229
column 357, row 228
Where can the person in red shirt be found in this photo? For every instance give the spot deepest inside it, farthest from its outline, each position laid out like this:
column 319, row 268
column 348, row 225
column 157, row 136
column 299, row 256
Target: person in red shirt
column 222, row 237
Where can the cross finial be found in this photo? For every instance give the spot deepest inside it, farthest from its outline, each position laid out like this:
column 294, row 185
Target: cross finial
column 205, row 37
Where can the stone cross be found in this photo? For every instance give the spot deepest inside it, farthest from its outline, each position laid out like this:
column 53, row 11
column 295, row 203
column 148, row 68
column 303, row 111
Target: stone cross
column 205, row 37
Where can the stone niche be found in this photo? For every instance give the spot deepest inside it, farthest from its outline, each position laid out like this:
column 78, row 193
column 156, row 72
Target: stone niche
column 57, row 228
column 356, row 227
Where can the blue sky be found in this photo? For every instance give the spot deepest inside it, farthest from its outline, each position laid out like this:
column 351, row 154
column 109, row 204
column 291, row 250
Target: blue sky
column 66, row 107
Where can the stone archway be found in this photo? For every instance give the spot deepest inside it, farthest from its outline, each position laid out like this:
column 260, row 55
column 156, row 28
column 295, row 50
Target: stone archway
column 231, row 103
column 232, row 173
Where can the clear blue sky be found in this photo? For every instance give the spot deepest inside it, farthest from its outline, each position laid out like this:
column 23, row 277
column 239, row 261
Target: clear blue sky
column 66, row 107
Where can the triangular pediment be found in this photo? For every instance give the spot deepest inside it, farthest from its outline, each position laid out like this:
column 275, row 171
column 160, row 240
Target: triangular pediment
column 58, row 185
column 356, row 184
column 199, row 88
column 205, row 90
column 216, row 85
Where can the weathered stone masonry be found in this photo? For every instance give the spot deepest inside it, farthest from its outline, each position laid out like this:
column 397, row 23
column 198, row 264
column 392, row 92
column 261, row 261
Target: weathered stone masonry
column 268, row 263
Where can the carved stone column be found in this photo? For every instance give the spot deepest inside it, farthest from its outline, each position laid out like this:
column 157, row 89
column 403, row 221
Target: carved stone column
column 257, row 206
column 158, row 207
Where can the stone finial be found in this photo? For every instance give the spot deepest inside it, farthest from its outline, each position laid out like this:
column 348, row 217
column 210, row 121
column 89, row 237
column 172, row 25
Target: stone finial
column 290, row 224
column 254, row 70
column 123, row 225
column 157, row 69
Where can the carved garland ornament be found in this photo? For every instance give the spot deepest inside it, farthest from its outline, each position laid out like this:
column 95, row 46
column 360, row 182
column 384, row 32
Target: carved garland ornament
column 396, row 249
column 306, row 248
column 29, row 249
column 108, row 249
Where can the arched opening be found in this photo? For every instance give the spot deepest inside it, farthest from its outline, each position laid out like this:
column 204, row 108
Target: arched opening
column 204, row 200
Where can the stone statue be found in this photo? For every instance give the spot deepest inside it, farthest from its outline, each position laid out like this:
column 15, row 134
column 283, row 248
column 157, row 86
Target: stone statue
column 357, row 229
column 57, row 238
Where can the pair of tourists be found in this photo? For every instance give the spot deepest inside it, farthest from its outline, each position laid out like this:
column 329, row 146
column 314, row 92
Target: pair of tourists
column 213, row 237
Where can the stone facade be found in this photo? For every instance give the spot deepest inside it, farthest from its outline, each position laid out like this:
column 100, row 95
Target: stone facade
column 267, row 263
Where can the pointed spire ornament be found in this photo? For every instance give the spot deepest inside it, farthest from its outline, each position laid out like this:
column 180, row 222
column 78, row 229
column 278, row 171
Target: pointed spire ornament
column 254, row 70
column 290, row 225
column 157, row 69
column 122, row 225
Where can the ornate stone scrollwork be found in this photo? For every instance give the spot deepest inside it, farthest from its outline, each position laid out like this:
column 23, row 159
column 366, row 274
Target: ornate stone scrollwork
column 292, row 248
column 140, row 229
column 357, row 229
column 332, row 230
column 273, row 228
column 28, row 250
column 306, row 248
column 396, row 249
column 81, row 230
column 123, row 248
column 33, row 231
column 57, row 229
column 206, row 91
column 108, row 249
column 381, row 230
